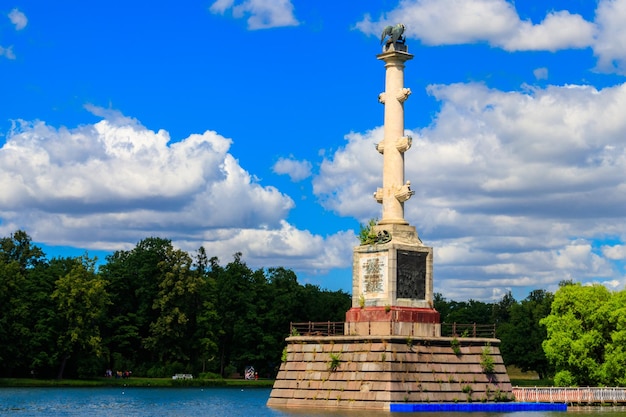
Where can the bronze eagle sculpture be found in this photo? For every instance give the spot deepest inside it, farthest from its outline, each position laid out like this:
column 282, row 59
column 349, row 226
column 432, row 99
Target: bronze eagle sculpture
column 394, row 33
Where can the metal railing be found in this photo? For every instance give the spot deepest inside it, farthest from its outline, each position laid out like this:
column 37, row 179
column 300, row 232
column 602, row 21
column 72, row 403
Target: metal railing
column 321, row 328
column 468, row 330
column 586, row 395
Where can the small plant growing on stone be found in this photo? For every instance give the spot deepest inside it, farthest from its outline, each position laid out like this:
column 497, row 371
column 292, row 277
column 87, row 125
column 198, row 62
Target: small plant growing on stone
column 387, row 308
column 486, row 360
column 335, row 359
column 362, row 301
column 283, row 356
column 456, row 346
column 366, row 232
column 409, row 342
column 294, row 332
column 467, row 389
column 383, row 357
column 502, row 397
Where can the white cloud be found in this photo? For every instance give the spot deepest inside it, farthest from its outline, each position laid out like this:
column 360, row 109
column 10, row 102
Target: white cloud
column 342, row 191
column 220, row 6
column 7, row 52
column 18, row 19
column 610, row 45
column 297, row 170
column 446, row 22
column 559, row 30
column 262, row 14
column 285, row 246
column 617, row 252
column 541, row 73
column 511, row 187
column 496, row 22
column 108, row 185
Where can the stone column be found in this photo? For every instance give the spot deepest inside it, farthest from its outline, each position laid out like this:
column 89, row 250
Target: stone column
column 395, row 190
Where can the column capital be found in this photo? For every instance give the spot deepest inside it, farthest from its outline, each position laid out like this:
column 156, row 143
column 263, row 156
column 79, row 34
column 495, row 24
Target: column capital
column 395, row 52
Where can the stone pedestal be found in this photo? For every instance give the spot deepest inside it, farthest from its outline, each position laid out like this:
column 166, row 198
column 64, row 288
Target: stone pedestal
column 392, row 286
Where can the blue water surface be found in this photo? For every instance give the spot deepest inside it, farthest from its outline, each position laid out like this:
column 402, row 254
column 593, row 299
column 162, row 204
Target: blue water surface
column 197, row 402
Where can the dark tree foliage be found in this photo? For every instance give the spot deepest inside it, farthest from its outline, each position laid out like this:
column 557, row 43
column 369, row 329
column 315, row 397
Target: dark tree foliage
column 522, row 334
column 465, row 312
column 154, row 310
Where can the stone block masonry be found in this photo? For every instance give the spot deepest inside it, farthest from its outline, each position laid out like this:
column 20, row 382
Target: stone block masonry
column 354, row 372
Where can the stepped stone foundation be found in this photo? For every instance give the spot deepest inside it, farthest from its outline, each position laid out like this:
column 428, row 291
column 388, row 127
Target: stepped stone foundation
column 361, row 372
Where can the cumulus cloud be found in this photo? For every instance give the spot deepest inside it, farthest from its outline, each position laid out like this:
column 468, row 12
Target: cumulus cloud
column 614, row 252
column 497, row 23
column 297, row 170
column 447, row 22
column 610, row 45
column 110, row 184
column 337, row 186
column 261, row 14
column 511, row 188
column 18, row 19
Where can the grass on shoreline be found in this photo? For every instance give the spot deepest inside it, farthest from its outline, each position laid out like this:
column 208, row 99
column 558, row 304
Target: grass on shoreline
column 526, row 379
column 134, row 382
column 517, row 377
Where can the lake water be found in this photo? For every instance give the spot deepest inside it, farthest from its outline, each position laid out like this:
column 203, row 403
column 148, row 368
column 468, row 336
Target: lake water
column 196, row 402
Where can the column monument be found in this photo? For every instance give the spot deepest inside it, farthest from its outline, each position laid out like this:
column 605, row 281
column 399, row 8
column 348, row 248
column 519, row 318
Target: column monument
column 392, row 281
column 390, row 351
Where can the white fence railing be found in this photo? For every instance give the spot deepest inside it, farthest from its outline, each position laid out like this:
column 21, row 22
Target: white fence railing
column 570, row 395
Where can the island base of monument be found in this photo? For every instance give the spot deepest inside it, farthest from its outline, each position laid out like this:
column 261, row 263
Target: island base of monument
column 392, row 321
column 373, row 372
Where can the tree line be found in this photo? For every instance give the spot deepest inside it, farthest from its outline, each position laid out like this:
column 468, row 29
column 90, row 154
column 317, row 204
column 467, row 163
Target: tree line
column 153, row 310
column 156, row 311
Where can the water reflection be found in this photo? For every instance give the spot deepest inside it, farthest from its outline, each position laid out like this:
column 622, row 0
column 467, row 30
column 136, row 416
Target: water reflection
column 197, row 402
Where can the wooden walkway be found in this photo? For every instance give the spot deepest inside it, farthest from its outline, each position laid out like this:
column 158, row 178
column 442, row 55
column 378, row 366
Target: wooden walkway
column 588, row 395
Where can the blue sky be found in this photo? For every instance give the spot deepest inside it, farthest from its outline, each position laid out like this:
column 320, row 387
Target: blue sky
column 250, row 126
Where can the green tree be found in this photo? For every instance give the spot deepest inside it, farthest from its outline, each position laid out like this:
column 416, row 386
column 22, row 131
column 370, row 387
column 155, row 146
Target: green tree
column 81, row 297
column 20, row 291
column 522, row 335
column 472, row 311
column 18, row 247
column 171, row 333
column 614, row 366
column 578, row 333
column 442, row 306
column 14, row 311
column 207, row 318
column 234, row 303
column 45, row 319
column 133, row 278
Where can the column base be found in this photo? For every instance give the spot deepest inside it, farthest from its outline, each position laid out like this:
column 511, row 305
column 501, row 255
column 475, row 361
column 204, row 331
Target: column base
column 393, row 321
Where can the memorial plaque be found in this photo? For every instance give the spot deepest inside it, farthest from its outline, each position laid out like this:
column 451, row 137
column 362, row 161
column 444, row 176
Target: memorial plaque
column 374, row 274
column 411, row 282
